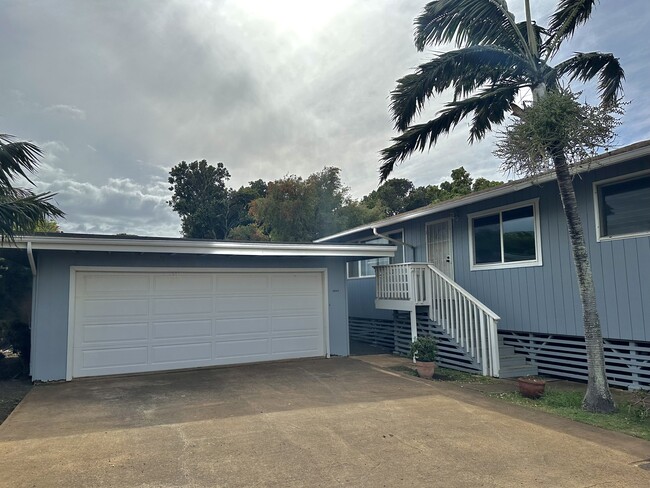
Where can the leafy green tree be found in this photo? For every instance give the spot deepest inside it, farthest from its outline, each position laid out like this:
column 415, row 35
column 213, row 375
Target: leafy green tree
column 391, row 197
column 354, row 213
column 301, row 210
column 200, row 198
column 239, row 204
column 248, row 232
column 20, row 208
column 496, row 60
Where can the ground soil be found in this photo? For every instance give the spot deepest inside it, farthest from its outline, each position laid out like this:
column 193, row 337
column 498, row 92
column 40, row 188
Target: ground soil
column 14, row 385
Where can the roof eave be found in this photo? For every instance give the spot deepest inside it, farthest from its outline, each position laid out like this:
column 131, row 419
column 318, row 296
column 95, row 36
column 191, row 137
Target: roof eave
column 41, row 243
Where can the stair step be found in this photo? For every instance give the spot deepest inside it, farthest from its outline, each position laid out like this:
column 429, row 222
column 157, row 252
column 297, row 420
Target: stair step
column 514, row 372
column 513, row 361
column 506, row 350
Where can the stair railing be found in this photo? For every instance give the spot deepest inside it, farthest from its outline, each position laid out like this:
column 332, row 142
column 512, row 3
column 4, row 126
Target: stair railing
column 465, row 319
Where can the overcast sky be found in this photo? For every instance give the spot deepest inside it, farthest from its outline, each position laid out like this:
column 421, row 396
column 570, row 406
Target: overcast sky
column 118, row 92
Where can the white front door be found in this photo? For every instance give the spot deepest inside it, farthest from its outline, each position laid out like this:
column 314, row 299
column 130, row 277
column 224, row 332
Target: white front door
column 439, row 246
column 130, row 322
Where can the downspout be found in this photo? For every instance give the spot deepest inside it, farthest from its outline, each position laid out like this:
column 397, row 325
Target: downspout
column 390, row 239
column 32, row 265
column 30, row 257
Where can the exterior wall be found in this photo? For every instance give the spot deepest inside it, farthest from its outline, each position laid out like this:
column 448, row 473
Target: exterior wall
column 545, row 299
column 51, row 296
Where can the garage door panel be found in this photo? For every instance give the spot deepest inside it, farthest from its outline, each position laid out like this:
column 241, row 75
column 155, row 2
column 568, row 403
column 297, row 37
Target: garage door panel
column 249, row 325
column 241, row 283
column 93, row 333
column 183, row 284
column 247, row 348
column 249, row 304
column 290, row 304
column 302, row 346
column 113, row 284
column 148, row 321
column 298, row 323
column 180, row 329
column 115, row 308
column 296, row 283
column 107, row 357
column 182, row 305
column 181, row 353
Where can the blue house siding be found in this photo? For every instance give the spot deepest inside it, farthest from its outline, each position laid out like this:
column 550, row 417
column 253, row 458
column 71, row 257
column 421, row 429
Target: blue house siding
column 50, row 319
column 544, row 299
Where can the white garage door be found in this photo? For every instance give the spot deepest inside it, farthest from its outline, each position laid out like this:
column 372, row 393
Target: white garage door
column 126, row 322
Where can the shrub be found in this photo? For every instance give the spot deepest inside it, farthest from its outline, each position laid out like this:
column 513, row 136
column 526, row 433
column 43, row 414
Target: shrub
column 424, row 349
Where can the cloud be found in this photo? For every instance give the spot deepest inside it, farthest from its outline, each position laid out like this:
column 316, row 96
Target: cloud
column 67, row 110
column 129, row 92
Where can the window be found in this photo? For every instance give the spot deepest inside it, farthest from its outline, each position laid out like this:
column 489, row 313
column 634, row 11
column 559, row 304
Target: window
column 365, row 269
column 506, row 237
column 622, row 207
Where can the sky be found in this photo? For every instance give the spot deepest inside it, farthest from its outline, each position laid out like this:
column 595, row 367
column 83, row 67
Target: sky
column 116, row 93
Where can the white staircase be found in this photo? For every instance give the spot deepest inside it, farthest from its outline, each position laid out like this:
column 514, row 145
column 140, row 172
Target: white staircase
column 459, row 315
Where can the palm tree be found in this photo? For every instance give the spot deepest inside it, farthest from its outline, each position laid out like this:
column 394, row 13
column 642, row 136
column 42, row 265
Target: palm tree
column 21, row 209
column 496, row 60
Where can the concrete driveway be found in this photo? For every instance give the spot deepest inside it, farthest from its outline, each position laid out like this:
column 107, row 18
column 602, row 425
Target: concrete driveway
column 337, row 422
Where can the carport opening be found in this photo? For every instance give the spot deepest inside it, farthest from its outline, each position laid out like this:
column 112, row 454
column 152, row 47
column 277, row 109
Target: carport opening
column 359, row 348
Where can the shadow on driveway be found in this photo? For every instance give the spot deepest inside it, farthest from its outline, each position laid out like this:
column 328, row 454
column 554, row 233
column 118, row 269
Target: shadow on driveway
column 91, row 405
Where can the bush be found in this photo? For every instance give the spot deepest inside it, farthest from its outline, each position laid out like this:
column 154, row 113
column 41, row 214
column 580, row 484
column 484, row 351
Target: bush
column 424, row 349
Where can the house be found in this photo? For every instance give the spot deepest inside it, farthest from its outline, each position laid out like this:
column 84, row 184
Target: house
column 491, row 275
column 106, row 305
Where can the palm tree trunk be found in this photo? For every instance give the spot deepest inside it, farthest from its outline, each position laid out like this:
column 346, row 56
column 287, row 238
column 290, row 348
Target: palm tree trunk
column 598, row 397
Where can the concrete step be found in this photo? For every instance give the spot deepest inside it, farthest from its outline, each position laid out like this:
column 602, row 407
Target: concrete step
column 506, row 350
column 513, row 360
column 515, row 372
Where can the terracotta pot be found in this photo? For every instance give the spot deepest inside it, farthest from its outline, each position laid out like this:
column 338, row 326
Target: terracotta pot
column 531, row 387
column 425, row 369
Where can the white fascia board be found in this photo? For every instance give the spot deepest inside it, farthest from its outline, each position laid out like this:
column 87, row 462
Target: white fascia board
column 623, row 154
column 51, row 243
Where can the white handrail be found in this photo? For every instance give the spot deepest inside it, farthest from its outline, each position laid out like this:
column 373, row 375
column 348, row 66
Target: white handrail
column 462, row 316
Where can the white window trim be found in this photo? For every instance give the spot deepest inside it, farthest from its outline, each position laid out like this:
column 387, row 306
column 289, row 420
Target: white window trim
column 517, row 264
column 371, row 238
column 596, row 185
column 450, row 221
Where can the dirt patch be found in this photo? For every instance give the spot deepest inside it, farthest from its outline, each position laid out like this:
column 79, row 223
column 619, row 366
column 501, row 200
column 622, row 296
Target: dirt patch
column 14, row 385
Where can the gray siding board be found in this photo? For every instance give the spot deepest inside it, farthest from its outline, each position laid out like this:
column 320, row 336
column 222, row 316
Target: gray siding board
column 51, row 302
column 545, row 298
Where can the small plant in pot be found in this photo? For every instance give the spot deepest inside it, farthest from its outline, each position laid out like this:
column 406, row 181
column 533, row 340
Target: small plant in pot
column 424, row 351
column 531, row 386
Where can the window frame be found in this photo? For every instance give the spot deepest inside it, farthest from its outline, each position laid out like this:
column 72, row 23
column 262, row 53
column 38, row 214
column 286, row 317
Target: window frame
column 597, row 216
column 499, row 210
column 358, row 262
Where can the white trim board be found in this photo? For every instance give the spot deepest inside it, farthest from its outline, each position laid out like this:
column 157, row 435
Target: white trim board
column 181, row 246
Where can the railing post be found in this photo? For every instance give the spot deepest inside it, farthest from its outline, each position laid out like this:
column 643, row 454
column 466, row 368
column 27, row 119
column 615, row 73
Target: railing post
column 484, row 358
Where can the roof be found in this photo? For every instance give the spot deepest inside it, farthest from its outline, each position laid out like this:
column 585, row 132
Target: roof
column 608, row 158
column 108, row 243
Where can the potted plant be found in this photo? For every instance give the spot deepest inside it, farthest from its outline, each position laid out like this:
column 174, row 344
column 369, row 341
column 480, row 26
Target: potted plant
column 424, row 351
column 531, row 386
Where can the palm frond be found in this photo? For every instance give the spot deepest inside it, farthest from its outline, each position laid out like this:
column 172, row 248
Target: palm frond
column 490, row 106
column 465, row 70
column 586, row 66
column 17, row 158
column 21, row 210
column 468, row 23
column 565, row 20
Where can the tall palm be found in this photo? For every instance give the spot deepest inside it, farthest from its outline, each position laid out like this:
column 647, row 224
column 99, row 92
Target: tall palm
column 21, row 209
column 496, row 60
